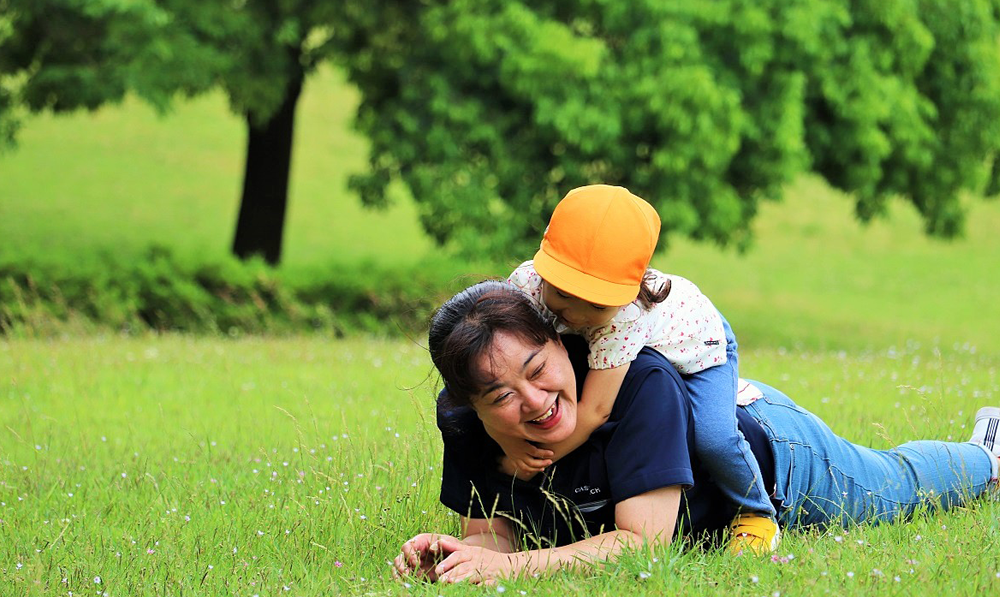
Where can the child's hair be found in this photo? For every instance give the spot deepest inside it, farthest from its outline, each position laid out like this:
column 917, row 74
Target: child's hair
column 647, row 295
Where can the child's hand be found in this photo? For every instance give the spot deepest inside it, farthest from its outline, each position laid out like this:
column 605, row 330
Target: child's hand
column 526, row 458
column 508, row 467
column 522, row 458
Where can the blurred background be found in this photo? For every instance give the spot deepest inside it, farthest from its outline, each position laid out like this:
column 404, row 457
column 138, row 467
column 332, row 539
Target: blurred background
column 824, row 169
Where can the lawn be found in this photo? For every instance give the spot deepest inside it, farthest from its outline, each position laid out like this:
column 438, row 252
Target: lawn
column 167, row 465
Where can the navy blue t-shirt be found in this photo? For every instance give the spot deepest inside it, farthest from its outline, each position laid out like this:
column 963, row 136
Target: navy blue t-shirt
column 647, row 443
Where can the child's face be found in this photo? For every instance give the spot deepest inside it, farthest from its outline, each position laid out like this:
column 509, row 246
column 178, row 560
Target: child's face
column 574, row 312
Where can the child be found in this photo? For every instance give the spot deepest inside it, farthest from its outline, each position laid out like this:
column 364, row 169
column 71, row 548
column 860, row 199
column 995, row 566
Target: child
column 591, row 276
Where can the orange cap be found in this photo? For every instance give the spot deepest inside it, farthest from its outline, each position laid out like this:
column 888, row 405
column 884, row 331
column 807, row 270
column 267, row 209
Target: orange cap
column 598, row 244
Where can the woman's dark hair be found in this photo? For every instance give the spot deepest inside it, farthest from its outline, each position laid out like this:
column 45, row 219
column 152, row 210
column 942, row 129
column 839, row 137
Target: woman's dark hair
column 647, row 295
column 463, row 329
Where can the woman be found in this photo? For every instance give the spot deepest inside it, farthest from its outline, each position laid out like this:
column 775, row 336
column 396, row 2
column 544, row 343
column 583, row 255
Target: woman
column 636, row 481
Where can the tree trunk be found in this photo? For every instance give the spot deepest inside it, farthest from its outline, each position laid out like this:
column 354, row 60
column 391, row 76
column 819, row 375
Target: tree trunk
column 261, row 222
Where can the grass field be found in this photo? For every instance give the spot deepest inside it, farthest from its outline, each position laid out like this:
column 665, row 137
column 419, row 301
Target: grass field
column 168, row 465
column 173, row 465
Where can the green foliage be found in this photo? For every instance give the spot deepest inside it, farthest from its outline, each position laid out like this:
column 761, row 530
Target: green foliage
column 71, row 54
column 490, row 110
column 161, row 292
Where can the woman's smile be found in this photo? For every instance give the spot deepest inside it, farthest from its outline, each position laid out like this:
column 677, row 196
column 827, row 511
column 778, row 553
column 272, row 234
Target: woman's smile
column 550, row 418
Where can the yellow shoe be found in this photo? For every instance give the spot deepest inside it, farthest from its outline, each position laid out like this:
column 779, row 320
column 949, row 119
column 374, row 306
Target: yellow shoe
column 754, row 534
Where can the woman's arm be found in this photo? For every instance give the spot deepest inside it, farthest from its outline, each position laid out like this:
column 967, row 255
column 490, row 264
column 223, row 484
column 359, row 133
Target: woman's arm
column 647, row 519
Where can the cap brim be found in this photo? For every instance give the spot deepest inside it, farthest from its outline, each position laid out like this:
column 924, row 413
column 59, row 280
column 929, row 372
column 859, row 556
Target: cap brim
column 582, row 285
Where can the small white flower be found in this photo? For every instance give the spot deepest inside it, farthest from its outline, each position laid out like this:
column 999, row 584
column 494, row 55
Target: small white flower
column 499, row 589
column 644, row 575
column 124, row 475
column 20, row 565
column 754, row 579
column 97, row 580
column 850, row 575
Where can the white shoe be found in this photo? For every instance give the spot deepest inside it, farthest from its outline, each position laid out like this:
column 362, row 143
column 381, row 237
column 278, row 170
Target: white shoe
column 986, row 431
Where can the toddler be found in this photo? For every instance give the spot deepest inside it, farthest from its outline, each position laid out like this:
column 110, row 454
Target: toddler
column 591, row 277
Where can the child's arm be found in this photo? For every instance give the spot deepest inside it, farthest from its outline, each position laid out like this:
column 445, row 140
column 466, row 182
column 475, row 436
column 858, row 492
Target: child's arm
column 597, row 398
column 521, row 458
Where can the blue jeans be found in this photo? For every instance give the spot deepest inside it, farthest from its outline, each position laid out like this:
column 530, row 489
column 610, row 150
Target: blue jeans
column 720, row 446
column 822, row 479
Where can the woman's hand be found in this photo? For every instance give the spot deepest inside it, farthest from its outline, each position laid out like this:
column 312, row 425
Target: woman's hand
column 434, row 557
column 473, row 564
column 416, row 557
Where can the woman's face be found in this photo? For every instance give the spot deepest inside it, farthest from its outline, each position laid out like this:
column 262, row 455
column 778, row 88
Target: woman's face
column 531, row 392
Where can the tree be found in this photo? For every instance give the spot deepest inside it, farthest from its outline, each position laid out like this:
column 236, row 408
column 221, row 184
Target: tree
column 262, row 52
column 83, row 53
column 489, row 110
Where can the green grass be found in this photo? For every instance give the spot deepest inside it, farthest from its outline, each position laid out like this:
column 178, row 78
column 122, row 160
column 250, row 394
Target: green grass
column 818, row 279
column 176, row 465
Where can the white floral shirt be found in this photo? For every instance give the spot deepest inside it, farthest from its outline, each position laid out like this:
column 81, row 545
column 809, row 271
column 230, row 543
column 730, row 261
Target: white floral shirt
column 747, row 393
column 685, row 328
